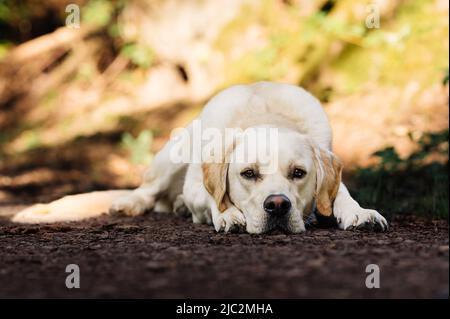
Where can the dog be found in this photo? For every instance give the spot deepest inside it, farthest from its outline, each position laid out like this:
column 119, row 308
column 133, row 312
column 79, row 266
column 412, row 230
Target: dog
column 279, row 188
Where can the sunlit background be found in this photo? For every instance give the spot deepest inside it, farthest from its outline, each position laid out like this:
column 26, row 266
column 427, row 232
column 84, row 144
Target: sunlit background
column 86, row 108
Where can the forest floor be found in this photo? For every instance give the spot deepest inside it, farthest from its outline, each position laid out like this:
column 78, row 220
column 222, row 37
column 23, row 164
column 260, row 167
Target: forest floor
column 165, row 256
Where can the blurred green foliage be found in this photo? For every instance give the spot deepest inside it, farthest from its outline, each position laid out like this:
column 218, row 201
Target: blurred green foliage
column 139, row 55
column 10, row 10
column 139, row 147
column 4, row 47
column 298, row 47
column 102, row 13
column 98, row 12
column 415, row 185
column 446, row 78
column 393, row 54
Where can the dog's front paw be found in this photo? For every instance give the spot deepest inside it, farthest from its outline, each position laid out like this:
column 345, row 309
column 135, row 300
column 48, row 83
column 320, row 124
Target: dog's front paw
column 363, row 219
column 179, row 207
column 131, row 205
column 230, row 220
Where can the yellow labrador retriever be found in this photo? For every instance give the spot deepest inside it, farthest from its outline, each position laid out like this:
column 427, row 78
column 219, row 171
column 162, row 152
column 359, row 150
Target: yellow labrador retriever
column 257, row 158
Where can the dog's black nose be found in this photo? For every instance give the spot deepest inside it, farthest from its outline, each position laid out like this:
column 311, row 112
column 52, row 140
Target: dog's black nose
column 277, row 205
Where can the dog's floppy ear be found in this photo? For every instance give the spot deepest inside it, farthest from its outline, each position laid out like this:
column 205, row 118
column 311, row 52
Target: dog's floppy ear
column 328, row 178
column 215, row 181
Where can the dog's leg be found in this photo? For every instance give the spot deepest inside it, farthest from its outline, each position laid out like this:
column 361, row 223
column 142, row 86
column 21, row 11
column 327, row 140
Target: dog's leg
column 195, row 195
column 350, row 215
column 204, row 208
column 146, row 196
column 230, row 220
column 161, row 186
column 70, row 208
column 137, row 202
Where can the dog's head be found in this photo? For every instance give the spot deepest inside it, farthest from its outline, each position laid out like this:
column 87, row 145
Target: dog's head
column 277, row 189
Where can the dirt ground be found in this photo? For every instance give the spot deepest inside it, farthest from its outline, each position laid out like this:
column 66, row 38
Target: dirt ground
column 165, row 256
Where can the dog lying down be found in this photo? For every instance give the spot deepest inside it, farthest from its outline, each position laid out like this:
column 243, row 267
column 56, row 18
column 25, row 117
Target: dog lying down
column 257, row 158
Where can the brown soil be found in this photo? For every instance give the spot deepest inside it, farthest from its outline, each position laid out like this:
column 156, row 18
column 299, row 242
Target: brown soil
column 161, row 255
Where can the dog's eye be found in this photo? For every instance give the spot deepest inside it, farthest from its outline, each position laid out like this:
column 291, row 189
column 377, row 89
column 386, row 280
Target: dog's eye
column 249, row 174
column 298, row 173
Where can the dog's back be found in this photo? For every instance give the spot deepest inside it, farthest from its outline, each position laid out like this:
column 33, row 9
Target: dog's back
column 282, row 105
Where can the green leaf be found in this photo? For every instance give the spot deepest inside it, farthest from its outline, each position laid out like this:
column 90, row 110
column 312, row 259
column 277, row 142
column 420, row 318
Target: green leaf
column 139, row 147
column 139, row 55
column 98, row 12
